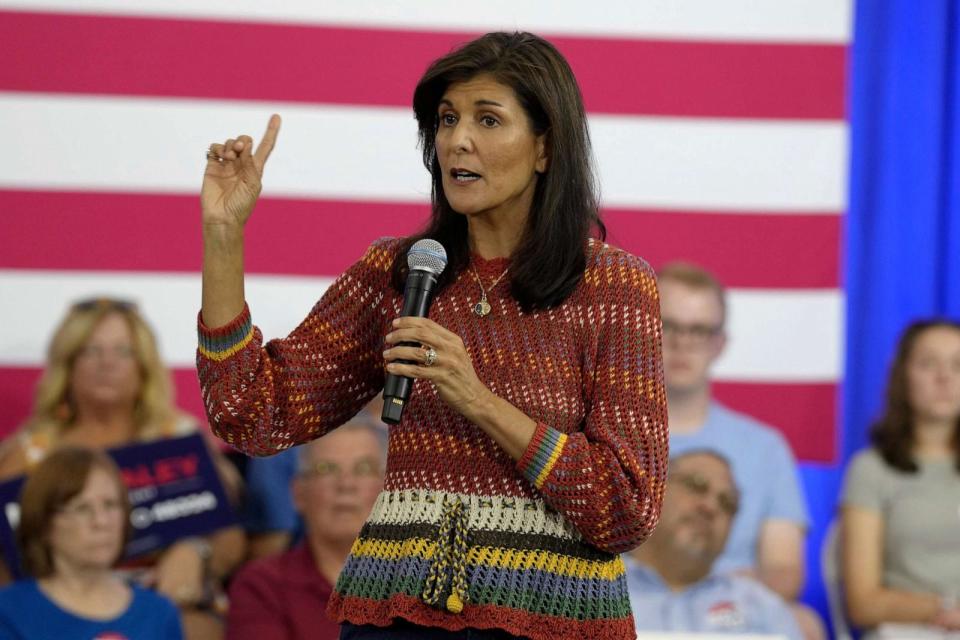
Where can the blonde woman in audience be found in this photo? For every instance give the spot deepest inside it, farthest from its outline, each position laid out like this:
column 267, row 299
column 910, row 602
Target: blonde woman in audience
column 74, row 519
column 104, row 386
column 900, row 524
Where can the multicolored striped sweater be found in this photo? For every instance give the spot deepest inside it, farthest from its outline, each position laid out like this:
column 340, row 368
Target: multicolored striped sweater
column 463, row 535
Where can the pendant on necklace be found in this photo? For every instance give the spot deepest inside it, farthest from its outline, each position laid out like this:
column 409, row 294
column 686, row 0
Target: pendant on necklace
column 482, row 308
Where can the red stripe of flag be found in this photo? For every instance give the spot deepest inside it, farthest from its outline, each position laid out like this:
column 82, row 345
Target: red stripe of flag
column 808, row 426
column 775, row 251
column 138, row 232
column 318, row 64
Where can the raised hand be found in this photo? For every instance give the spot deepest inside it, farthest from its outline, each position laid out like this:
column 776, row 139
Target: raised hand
column 232, row 180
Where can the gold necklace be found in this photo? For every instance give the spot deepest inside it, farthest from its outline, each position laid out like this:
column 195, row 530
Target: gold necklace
column 482, row 308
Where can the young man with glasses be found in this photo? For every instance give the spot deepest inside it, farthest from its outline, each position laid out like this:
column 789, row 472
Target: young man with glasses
column 767, row 537
column 670, row 580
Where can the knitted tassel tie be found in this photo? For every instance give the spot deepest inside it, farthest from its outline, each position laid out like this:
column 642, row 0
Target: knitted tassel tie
column 449, row 564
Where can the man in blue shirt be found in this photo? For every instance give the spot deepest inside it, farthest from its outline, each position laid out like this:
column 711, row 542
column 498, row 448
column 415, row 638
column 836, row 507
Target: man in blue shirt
column 670, row 580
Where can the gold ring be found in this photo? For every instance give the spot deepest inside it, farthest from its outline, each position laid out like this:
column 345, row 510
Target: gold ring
column 429, row 357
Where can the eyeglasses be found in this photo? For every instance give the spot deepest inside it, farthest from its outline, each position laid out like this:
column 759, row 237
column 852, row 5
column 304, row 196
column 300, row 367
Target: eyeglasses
column 113, row 304
column 87, row 511
column 99, row 352
column 696, row 333
column 365, row 469
column 727, row 501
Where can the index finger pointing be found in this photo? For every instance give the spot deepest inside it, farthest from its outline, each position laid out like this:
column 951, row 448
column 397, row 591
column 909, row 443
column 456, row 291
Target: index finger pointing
column 269, row 140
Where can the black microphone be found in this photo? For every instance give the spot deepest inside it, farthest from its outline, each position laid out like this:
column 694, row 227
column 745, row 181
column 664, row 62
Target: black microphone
column 427, row 260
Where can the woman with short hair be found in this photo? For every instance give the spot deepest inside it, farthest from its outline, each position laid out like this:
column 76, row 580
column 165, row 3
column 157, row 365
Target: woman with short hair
column 74, row 521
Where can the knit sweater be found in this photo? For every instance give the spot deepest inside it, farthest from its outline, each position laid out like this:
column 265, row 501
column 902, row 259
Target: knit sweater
column 463, row 535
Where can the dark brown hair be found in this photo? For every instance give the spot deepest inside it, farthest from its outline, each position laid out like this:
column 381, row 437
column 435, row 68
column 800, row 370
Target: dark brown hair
column 54, row 482
column 551, row 257
column 892, row 434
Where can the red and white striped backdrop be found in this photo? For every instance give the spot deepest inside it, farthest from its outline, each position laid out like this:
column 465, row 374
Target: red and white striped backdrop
column 719, row 129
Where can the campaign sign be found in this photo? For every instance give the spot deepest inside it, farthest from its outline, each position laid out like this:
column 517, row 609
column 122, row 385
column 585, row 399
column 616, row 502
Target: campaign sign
column 175, row 492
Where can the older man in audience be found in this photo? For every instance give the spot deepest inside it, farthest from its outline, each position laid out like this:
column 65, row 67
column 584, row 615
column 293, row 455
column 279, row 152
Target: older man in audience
column 270, row 517
column 283, row 597
column 672, row 587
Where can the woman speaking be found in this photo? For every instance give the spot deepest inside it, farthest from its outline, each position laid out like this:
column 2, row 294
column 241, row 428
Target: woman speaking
column 533, row 448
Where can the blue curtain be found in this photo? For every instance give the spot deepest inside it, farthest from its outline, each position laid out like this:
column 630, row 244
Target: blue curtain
column 902, row 235
column 903, row 225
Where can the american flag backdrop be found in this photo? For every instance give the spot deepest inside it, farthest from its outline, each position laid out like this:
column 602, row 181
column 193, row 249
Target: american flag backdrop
column 718, row 128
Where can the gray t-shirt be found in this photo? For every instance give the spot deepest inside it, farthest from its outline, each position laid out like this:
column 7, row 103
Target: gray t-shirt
column 921, row 516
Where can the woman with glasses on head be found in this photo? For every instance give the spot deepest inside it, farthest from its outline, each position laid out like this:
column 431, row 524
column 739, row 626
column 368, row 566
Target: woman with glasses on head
column 533, row 449
column 105, row 386
column 900, row 530
column 74, row 519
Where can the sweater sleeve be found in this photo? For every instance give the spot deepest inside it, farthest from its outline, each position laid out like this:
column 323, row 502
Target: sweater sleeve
column 608, row 478
column 265, row 398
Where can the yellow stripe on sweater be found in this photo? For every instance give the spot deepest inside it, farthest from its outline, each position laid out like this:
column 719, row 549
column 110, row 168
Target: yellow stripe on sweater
column 220, row 356
column 514, row 559
column 552, row 460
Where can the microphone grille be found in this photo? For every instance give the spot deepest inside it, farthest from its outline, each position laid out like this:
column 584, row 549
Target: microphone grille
column 427, row 255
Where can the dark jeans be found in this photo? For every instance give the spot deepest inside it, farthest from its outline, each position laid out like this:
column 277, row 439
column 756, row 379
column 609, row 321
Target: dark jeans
column 403, row 630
